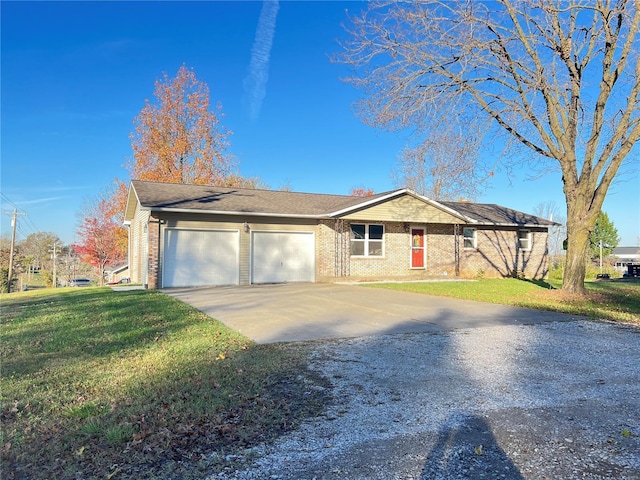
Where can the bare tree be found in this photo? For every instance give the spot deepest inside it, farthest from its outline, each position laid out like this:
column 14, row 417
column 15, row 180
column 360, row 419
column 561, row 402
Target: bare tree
column 443, row 166
column 557, row 233
column 557, row 77
column 38, row 248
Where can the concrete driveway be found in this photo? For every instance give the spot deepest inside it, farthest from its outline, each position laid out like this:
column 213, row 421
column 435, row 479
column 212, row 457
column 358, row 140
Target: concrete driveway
column 299, row 312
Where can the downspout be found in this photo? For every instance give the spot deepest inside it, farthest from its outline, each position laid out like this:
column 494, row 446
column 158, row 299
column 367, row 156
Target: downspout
column 516, row 268
column 456, row 248
column 159, row 256
column 340, row 249
column 127, row 225
column 145, row 251
column 336, row 249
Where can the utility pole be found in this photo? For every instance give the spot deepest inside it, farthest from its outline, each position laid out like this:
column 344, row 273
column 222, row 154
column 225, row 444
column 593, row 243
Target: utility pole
column 55, row 279
column 600, row 256
column 14, row 223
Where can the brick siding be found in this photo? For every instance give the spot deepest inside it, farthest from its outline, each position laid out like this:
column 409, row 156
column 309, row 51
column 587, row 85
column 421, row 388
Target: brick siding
column 441, row 249
column 497, row 253
column 155, row 268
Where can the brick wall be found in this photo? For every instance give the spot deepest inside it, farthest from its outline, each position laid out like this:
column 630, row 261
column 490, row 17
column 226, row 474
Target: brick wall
column 326, row 244
column 395, row 260
column 333, row 258
column 441, row 251
column 153, row 257
column 497, row 253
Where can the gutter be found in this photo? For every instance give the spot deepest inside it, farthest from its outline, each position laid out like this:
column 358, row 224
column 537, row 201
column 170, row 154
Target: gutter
column 228, row 212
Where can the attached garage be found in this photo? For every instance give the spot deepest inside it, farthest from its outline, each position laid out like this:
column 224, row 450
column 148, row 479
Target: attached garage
column 184, row 235
column 280, row 257
column 194, row 258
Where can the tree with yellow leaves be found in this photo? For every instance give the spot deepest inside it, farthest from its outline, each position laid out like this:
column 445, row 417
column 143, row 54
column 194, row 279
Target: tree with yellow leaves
column 178, row 138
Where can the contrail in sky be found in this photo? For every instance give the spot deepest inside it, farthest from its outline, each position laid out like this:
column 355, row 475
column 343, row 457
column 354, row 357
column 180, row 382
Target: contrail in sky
column 255, row 83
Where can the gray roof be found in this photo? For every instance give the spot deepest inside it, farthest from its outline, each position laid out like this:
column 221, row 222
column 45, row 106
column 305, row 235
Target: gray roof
column 623, row 251
column 174, row 196
column 490, row 213
column 160, row 196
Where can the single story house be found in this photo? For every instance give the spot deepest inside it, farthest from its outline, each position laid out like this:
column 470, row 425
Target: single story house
column 193, row 235
column 624, row 257
column 117, row 273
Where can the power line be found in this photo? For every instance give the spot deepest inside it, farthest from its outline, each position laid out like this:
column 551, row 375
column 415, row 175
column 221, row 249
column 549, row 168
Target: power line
column 29, row 222
column 6, row 199
column 31, row 225
column 21, row 231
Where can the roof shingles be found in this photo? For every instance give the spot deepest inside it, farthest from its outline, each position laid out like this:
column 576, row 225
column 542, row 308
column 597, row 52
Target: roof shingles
column 182, row 197
column 487, row 213
column 157, row 195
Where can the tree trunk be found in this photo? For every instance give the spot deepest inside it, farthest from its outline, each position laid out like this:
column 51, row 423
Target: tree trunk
column 101, row 269
column 576, row 266
column 581, row 218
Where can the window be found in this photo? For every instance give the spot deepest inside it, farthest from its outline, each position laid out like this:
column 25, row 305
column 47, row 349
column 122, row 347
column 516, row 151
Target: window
column 470, row 238
column 367, row 240
column 524, row 239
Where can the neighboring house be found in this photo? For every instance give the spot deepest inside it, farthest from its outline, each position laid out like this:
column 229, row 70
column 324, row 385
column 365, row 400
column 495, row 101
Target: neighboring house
column 625, row 256
column 116, row 274
column 193, row 235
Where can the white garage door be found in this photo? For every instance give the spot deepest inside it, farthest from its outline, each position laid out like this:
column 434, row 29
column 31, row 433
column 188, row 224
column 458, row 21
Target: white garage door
column 280, row 257
column 195, row 258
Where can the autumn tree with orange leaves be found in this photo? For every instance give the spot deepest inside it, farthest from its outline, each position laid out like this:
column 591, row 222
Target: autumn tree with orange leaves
column 361, row 192
column 101, row 243
column 178, row 138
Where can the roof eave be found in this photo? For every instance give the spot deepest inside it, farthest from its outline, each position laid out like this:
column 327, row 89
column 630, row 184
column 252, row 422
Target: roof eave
column 128, row 215
column 527, row 225
column 237, row 213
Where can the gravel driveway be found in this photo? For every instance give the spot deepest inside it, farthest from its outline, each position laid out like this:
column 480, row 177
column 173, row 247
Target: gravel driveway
column 547, row 401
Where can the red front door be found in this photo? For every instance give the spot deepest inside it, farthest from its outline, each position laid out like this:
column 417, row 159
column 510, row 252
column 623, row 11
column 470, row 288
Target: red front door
column 417, row 248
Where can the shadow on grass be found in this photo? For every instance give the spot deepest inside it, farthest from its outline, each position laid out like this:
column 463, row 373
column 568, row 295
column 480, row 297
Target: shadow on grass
column 82, row 324
column 620, row 294
column 539, row 283
column 186, row 424
column 198, row 394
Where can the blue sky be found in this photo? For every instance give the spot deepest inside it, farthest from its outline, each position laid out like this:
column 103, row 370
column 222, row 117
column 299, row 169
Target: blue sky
column 75, row 74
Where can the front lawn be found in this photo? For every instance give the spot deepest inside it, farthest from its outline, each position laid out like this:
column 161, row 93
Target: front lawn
column 135, row 384
column 615, row 300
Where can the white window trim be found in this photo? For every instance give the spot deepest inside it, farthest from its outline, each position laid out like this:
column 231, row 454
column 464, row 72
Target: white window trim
column 474, row 238
column 529, row 236
column 366, row 240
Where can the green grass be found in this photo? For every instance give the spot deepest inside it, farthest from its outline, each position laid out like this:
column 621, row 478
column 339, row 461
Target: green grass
column 135, row 384
column 616, row 301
